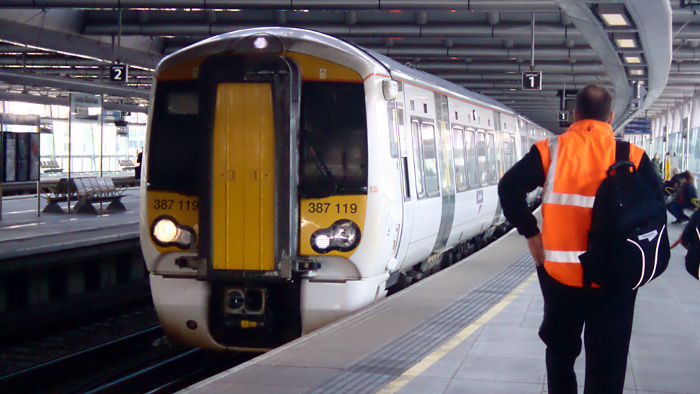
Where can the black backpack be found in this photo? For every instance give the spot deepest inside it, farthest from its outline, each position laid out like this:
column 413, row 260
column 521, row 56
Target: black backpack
column 628, row 241
column 691, row 240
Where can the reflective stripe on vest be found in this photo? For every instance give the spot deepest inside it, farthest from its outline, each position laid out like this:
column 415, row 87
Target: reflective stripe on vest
column 549, row 196
column 563, row 256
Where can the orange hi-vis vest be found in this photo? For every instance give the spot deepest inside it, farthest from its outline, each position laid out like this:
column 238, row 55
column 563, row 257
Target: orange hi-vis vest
column 575, row 163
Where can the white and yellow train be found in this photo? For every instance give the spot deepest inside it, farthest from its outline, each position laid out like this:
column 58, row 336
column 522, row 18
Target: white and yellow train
column 290, row 178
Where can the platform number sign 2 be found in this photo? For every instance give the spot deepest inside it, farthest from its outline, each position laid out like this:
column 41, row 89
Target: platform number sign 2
column 532, row 80
column 118, row 72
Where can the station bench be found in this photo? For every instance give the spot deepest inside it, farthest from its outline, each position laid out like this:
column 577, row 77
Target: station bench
column 127, row 164
column 50, row 166
column 85, row 190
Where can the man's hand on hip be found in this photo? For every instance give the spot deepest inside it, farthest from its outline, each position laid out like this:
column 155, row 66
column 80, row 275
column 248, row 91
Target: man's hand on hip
column 534, row 243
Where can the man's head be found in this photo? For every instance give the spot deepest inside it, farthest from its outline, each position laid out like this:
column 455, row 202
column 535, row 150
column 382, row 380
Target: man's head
column 594, row 102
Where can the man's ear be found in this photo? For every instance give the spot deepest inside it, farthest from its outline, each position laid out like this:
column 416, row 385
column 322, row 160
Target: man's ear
column 610, row 118
column 577, row 115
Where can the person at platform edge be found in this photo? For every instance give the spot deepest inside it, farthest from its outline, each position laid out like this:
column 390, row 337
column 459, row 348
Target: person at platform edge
column 570, row 167
column 683, row 198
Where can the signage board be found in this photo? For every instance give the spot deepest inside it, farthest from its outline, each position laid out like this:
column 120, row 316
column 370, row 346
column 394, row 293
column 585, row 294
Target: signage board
column 690, row 3
column 638, row 125
column 532, row 80
column 118, row 73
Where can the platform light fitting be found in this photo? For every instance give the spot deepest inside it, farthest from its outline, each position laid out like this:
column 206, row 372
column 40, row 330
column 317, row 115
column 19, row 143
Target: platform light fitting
column 625, row 41
column 637, row 72
column 632, row 59
column 614, row 20
column 613, row 14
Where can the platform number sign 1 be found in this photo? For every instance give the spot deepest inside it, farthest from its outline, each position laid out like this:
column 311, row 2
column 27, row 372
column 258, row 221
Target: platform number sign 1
column 118, row 72
column 532, row 80
column 563, row 116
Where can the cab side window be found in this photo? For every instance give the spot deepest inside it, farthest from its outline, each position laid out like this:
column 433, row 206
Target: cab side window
column 417, row 159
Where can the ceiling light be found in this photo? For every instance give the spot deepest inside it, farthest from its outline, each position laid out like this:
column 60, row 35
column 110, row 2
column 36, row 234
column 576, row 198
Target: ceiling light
column 632, row 59
column 613, row 14
column 625, row 43
column 614, row 20
column 637, row 72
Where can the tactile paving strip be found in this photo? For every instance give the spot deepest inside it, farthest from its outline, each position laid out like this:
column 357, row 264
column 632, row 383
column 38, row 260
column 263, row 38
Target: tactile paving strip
column 379, row 368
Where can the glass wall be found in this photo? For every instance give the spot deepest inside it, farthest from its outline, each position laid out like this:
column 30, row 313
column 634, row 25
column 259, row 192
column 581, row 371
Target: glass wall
column 85, row 137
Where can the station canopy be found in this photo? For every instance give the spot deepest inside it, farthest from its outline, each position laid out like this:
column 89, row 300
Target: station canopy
column 644, row 51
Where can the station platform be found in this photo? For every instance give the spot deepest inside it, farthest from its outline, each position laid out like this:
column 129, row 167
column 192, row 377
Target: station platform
column 472, row 328
column 23, row 233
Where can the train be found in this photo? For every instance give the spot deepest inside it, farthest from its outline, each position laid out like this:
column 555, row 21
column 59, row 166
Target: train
column 290, row 178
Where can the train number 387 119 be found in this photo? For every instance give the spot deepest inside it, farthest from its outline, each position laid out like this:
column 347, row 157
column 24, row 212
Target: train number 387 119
column 183, row 205
column 325, row 207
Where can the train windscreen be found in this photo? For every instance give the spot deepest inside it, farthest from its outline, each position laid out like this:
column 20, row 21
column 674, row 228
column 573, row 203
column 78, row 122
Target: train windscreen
column 333, row 139
column 176, row 139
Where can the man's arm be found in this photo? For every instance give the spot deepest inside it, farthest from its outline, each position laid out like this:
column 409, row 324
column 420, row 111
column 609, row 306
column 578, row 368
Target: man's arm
column 522, row 178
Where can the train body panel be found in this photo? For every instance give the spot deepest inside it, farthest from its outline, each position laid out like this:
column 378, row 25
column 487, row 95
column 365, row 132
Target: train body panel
column 289, row 175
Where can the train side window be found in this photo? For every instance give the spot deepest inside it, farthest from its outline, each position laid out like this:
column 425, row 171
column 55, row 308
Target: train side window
column 432, row 184
column 512, row 151
column 417, row 160
column 460, row 168
column 492, row 159
column 472, row 166
column 507, row 149
column 481, row 159
column 524, row 146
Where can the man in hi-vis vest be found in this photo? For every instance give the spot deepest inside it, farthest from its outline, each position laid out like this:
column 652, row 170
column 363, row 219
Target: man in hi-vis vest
column 570, row 167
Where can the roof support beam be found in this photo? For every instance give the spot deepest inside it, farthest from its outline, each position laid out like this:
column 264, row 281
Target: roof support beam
column 46, row 100
column 589, row 25
column 476, row 5
column 71, row 84
column 58, row 30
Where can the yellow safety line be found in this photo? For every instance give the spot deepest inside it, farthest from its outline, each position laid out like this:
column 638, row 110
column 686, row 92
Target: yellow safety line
column 458, row 338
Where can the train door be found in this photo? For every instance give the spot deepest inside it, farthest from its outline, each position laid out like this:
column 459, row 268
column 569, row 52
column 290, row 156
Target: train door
column 252, row 212
column 243, row 177
column 403, row 172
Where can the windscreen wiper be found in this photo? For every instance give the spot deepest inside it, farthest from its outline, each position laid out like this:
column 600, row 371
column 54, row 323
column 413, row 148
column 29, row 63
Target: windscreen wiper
column 322, row 167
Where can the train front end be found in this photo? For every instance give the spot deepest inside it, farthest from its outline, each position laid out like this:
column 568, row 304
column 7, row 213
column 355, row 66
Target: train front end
column 255, row 179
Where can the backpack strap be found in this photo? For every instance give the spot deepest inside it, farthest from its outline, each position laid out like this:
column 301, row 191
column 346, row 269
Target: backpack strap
column 622, row 151
column 622, row 158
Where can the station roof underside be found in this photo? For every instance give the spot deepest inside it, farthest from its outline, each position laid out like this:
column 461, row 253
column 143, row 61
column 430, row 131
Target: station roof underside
column 51, row 47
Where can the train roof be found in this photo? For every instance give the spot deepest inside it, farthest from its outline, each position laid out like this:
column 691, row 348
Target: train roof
column 392, row 65
column 223, row 42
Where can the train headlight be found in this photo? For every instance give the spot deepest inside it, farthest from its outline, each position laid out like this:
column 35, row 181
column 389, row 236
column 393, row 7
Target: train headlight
column 167, row 232
column 322, row 241
column 343, row 235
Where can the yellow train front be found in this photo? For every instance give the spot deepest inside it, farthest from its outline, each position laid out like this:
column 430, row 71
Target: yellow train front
column 245, row 185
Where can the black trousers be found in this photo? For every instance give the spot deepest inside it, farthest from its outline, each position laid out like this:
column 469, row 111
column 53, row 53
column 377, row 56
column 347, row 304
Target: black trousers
column 607, row 318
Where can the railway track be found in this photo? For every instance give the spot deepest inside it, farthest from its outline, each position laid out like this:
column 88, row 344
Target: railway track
column 126, row 352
